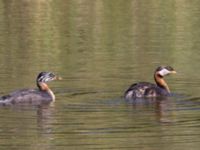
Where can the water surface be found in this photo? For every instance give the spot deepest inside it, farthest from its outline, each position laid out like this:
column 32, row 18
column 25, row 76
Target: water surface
column 99, row 48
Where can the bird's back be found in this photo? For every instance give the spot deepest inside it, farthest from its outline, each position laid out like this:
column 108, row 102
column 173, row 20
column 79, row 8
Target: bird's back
column 26, row 96
column 144, row 89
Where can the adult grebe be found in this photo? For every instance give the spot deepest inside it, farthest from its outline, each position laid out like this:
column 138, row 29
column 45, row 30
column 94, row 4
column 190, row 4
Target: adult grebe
column 33, row 96
column 146, row 89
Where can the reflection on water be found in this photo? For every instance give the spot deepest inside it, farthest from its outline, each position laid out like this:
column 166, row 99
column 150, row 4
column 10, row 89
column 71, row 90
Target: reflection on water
column 162, row 106
column 99, row 48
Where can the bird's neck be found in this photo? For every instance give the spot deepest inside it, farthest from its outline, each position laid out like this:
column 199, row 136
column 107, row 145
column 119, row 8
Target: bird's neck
column 161, row 82
column 44, row 87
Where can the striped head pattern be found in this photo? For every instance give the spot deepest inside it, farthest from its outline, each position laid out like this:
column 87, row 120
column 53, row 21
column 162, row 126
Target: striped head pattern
column 46, row 77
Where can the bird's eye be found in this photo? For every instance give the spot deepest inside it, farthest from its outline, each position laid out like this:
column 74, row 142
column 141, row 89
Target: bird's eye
column 169, row 68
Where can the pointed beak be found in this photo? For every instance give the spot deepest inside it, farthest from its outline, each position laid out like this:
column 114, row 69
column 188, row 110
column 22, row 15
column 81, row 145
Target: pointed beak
column 173, row 72
column 58, row 78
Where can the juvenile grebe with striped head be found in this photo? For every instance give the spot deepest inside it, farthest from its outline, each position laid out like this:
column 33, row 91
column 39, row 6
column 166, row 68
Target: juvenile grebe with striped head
column 34, row 96
column 146, row 89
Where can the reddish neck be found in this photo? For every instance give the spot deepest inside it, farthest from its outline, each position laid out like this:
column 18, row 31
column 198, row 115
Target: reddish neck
column 161, row 82
column 43, row 86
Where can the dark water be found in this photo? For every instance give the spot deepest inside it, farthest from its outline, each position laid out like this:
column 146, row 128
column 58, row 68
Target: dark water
column 99, row 48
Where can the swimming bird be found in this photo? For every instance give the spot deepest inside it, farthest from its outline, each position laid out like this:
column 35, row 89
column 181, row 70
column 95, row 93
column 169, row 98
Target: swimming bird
column 146, row 89
column 34, row 96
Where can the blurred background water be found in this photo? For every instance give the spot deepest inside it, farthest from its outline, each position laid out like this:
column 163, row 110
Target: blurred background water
column 100, row 47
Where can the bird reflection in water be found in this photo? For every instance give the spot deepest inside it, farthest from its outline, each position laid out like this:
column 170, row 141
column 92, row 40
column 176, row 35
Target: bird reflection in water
column 161, row 106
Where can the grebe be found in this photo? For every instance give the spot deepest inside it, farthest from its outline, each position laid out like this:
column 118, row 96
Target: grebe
column 146, row 89
column 34, row 96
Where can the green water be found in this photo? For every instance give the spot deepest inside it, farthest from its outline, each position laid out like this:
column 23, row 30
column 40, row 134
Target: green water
column 100, row 47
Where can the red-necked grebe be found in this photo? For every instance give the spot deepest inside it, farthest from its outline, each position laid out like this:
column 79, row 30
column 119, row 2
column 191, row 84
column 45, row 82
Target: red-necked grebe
column 146, row 89
column 34, row 96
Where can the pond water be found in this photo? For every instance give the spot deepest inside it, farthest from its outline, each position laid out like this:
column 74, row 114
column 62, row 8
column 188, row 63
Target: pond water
column 99, row 48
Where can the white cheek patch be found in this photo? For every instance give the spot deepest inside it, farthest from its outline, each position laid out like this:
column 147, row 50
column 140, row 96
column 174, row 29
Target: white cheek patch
column 164, row 72
column 48, row 79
